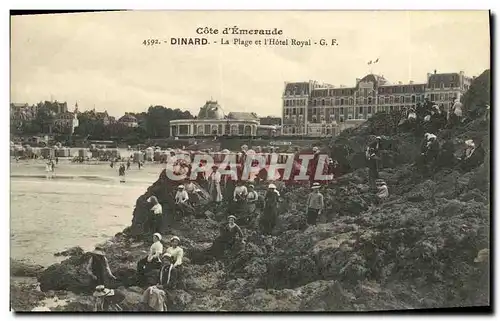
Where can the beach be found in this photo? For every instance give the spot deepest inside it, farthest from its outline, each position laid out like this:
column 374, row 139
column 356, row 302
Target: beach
column 81, row 206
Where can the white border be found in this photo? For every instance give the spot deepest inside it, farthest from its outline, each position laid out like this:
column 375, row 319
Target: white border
column 200, row 5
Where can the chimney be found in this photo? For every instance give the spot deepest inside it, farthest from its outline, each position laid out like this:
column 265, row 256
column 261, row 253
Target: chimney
column 400, row 82
column 435, row 71
column 411, row 82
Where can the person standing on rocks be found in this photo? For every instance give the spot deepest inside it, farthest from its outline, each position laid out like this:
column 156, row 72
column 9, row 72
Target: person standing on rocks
column 373, row 165
column 230, row 236
column 128, row 164
column 252, row 198
column 156, row 218
column 153, row 258
column 214, row 187
column 98, row 267
column 315, row 204
column 270, row 213
column 170, row 272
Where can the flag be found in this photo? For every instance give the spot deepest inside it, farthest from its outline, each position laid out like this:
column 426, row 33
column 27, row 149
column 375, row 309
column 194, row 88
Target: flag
column 370, row 62
column 376, row 61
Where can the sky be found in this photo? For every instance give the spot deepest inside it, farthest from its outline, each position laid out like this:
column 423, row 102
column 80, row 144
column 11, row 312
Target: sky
column 99, row 61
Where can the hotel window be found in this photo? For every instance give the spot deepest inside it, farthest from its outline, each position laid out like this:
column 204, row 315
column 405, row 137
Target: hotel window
column 301, row 111
column 342, row 101
column 369, row 100
column 349, row 116
column 207, row 130
column 314, row 102
column 351, row 102
column 342, row 110
column 386, row 100
column 413, row 98
column 341, row 119
column 369, row 109
column 294, row 111
column 442, row 86
column 391, row 108
column 322, row 102
column 361, row 109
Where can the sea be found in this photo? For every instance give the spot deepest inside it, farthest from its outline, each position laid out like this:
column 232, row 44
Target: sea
column 82, row 205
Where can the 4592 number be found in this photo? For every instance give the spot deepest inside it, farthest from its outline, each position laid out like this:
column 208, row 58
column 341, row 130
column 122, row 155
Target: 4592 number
column 151, row 42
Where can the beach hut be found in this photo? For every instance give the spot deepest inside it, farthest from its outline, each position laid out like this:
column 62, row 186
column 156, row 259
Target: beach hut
column 48, row 152
column 36, row 152
column 63, row 152
column 138, row 157
column 149, row 154
column 82, row 153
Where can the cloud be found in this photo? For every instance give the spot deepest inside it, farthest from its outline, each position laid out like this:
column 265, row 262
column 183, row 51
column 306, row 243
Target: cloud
column 98, row 58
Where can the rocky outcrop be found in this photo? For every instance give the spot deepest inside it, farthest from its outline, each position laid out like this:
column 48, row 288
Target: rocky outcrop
column 415, row 250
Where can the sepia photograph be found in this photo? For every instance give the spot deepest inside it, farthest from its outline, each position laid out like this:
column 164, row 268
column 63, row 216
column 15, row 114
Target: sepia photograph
column 250, row 161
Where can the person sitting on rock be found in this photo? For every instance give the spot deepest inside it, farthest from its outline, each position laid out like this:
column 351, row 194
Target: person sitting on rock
column 315, row 204
column 270, row 213
column 172, row 267
column 472, row 156
column 156, row 218
column 98, row 267
column 153, row 259
column 214, row 187
column 229, row 237
column 181, row 201
column 382, row 191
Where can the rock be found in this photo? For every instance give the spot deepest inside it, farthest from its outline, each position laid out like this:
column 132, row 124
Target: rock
column 132, row 300
column 18, row 268
column 71, row 252
column 179, row 300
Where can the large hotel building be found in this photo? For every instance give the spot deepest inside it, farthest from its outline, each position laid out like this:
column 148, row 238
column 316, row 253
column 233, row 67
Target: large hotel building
column 314, row 109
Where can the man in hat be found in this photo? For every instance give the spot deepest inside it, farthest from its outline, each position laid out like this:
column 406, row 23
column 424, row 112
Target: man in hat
column 270, row 213
column 169, row 273
column 229, row 236
column 98, row 267
column 153, row 260
column 315, row 204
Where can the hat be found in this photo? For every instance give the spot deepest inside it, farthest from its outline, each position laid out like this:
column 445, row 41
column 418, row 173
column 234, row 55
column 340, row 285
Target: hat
column 215, row 166
column 482, row 256
column 180, row 187
column 378, row 137
column 272, row 186
column 175, row 238
column 98, row 250
column 251, row 186
column 315, row 186
column 150, row 199
column 100, row 290
column 158, row 235
column 315, row 148
column 231, row 216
